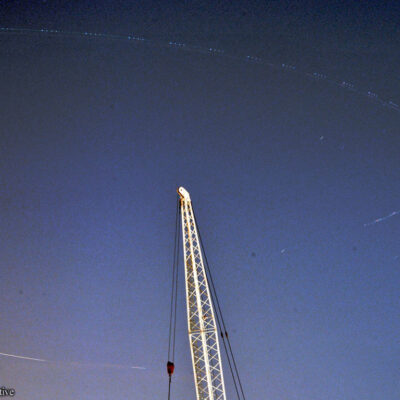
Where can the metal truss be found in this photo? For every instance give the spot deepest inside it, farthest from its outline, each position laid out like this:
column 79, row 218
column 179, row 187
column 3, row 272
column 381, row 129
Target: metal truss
column 203, row 335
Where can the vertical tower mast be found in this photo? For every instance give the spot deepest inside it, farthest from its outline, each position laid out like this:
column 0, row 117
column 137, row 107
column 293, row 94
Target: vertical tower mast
column 203, row 335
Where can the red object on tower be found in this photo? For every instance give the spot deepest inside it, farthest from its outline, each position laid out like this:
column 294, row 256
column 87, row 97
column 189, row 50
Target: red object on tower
column 170, row 368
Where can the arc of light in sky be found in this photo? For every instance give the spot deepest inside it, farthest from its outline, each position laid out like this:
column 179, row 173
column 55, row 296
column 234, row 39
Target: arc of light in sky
column 376, row 221
column 210, row 51
column 79, row 364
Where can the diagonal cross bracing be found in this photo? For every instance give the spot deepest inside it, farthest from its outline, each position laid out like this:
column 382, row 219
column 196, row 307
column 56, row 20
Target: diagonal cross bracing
column 203, row 335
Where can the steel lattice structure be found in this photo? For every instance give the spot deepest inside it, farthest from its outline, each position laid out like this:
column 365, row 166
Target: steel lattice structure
column 203, row 335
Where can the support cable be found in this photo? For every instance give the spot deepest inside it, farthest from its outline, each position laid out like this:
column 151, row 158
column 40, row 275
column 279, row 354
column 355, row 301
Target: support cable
column 173, row 304
column 226, row 352
column 224, row 332
column 176, row 281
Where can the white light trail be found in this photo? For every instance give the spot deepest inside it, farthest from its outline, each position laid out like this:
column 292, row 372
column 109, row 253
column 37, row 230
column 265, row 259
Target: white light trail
column 376, row 221
column 210, row 51
column 22, row 357
column 77, row 364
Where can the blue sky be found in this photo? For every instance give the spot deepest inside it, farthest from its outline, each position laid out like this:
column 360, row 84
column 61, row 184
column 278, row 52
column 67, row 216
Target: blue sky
column 284, row 173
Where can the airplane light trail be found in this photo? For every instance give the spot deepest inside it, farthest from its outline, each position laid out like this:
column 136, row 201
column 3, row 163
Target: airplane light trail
column 22, row 357
column 78, row 364
column 376, row 221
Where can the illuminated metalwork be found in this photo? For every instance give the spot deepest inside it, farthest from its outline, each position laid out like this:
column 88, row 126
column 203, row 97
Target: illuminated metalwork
column 203, row 335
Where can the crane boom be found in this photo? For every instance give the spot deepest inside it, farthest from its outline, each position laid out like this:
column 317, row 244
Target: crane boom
column 203, row 335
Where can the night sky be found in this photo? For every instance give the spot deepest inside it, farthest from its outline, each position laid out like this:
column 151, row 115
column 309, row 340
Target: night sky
column 295, row 183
